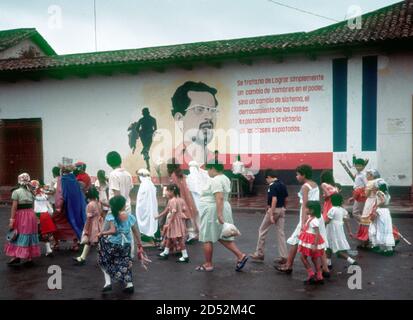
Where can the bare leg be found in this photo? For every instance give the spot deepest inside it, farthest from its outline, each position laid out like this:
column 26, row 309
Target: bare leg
column 291, row 257
column 317, row 264
column 307, row 266
column 208, row 251
column 231, row 246
column 324, row 262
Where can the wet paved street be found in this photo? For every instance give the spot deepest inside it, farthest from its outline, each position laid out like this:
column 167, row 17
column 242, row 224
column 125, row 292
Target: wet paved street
column 382, row 277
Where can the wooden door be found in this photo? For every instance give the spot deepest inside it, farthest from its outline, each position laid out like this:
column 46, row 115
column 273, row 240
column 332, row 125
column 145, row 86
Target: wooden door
column 20, row 149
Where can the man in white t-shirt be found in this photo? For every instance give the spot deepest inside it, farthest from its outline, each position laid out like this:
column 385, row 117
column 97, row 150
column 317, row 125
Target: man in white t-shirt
column 120, row 181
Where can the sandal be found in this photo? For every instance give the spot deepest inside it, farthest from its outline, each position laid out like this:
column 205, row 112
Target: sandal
column 14, row 262
column 283, row 269
column 241, row 264
column 202, row 268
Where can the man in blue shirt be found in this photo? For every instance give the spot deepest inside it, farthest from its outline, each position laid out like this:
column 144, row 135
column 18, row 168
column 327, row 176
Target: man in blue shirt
column 277, row 196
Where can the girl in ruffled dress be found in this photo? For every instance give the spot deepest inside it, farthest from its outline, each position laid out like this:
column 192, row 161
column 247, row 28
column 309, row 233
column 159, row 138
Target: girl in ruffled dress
column 311, row 243
column 174, row 230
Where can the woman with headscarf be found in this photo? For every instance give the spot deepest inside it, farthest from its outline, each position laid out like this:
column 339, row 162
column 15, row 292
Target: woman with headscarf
column 381, row 230
column 196, row 180
column 70, row 216
column 146, row 205
column 24, row 239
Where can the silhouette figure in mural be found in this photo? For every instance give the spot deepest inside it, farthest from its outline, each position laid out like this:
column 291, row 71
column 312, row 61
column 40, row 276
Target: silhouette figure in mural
column 143, row 129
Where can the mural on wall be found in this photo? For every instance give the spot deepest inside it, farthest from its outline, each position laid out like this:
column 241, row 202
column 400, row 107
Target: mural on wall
column 194, row 109
column 268, row 115
column 144, row 129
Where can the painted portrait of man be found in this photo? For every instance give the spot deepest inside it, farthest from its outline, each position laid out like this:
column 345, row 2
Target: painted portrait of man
column 195, row 110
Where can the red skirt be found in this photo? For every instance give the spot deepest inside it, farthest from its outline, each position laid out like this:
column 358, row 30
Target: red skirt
column 46, row 224
column 64, row 229
column 306, row 243
column 363, row 233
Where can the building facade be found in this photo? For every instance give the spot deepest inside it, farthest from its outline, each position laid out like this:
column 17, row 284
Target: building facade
column 278, row 101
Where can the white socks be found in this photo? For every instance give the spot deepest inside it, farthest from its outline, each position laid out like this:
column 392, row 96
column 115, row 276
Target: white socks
column 165, row 252
column 184, row 254
column 48, row 247
column 350, row 260
column 329, row 262
column 129, row 284
column 85, row 252
column 108, row 282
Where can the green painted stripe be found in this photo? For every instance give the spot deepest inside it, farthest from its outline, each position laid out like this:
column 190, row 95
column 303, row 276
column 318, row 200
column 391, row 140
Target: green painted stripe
column 369, row 104
column 340, row 105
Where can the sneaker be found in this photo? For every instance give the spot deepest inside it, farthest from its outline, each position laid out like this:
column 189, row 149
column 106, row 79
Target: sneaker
column 129, row 290
column 107, row 288
column 183, row 260
column 163, row 256
column 79, row 261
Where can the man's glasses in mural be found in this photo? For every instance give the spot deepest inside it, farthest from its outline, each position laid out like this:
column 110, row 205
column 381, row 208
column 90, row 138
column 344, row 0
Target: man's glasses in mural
column 200, row 109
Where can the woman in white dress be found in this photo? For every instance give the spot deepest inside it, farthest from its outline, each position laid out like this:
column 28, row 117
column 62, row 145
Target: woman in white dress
column 196, row 180
column 308, row 192
column 337, row 217
column 381, row 227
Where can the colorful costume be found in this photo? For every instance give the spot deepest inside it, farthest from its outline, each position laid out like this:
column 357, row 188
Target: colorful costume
column 359, row 195
column 307, row 244
column 328, row 191
column 70, row 216
column 43, row 211
column 114, row 251
column 369, row 207
column 381, row 227
column 26, row 244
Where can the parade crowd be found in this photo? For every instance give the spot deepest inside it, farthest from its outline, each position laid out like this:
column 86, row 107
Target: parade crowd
column 99, row 216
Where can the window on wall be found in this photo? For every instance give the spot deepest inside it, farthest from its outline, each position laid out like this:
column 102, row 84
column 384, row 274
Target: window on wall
column 369, row 104
column 340, row 105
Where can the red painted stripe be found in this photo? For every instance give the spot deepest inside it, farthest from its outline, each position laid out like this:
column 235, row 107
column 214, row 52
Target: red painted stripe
column 283, row 161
